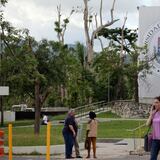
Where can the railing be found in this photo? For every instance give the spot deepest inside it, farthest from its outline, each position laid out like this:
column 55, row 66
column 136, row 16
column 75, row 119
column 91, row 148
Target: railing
column 138, row 134
column 96, row 107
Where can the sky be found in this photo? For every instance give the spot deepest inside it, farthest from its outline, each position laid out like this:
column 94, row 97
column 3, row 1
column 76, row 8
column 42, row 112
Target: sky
column 39, row 16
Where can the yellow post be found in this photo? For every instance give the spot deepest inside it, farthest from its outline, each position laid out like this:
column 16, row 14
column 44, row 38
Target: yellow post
column 48, row 141
column 10, row 141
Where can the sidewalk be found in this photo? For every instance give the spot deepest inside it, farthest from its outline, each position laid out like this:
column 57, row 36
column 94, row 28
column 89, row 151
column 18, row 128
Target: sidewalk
column 105, row 151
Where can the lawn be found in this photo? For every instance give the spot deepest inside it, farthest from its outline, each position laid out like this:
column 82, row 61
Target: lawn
column 58, row 117
column 23, row 136
column 21, row 123
column 118, row 129
column 108, row 114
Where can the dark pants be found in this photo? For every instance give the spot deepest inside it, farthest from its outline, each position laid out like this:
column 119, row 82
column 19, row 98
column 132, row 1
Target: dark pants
column 93, row 141
column 155, row 149
column 69, row 141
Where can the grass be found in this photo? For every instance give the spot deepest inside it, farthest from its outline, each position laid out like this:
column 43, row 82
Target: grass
column 20, row 123
column 58, row 117
column 24, row 136
column 108, row 114
column 118, row 129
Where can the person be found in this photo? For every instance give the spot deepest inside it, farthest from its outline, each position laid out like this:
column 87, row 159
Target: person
column 76, row 145
column 69, row 133
column 92, row 133
column 154, row 122
column 45, row 120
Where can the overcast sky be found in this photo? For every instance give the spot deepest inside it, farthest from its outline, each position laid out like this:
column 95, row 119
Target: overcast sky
column 39, row 15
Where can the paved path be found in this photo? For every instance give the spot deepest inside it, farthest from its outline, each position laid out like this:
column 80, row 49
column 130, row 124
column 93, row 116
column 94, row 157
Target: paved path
column 129, row 157
column 105, row 151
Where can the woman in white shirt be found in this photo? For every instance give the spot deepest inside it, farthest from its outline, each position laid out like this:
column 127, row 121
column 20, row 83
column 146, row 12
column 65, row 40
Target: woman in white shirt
column 92, row 133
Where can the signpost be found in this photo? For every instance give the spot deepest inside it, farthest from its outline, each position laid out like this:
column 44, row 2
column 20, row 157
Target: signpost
column 4, row 91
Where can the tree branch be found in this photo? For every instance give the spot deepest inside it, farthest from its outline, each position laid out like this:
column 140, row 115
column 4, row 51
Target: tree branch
column 112, row 9
column 85, row 17
column 122, row 36
column 46, row 94
column 101, row 12
column 100, row 28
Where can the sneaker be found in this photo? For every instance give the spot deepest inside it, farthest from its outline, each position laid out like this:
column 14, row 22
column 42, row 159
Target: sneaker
column 79, row 157
column 70, row 157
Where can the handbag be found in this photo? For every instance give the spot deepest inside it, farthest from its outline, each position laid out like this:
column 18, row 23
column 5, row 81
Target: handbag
column 148, row 141
column 86, row 143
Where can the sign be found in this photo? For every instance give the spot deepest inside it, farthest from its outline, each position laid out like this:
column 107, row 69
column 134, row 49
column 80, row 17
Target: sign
column 152, row 40
column 4, row 90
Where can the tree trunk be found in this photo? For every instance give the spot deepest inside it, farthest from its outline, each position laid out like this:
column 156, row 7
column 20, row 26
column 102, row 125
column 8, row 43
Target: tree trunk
column 37, row 108
column 89, row 54
column 119, row 88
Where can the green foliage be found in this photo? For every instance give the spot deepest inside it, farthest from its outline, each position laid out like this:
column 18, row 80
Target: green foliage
column 3, row 2
column 66, row 21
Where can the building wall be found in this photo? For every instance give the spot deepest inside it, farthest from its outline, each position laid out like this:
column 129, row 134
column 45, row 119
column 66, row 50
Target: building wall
column 149, row 34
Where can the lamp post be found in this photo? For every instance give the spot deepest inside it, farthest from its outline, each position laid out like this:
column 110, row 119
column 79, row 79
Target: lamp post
column 108, row 92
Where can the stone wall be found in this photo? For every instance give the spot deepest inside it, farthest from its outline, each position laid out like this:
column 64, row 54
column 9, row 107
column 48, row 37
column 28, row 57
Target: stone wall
column 130, row 109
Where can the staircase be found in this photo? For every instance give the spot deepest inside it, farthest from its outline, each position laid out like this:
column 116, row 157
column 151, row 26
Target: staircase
column 97, row 107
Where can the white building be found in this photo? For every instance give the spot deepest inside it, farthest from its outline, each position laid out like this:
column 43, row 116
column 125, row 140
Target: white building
column 149, row 34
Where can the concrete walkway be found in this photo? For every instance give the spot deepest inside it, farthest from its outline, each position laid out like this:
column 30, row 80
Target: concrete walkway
column 117, row 150
column 113, row 150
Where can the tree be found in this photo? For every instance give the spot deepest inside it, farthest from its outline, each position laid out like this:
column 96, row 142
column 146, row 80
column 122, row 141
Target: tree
column 131, row 64
column 106, row 66
column 61, row 26
column 87, row 20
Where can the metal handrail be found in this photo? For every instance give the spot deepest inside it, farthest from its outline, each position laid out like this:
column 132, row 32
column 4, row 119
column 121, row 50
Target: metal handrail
column 83, row 110
column 133, row 131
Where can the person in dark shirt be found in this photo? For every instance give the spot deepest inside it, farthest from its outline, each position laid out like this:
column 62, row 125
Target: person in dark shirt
column 69, row 133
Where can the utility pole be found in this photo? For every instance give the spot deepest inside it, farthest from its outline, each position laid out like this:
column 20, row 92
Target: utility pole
column 108, row 87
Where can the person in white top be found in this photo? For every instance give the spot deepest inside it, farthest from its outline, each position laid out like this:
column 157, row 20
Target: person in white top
column 92, row 133
column 45, row 120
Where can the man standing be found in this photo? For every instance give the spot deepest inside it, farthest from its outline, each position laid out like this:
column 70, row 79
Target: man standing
column 76, row 145
column 69, row 133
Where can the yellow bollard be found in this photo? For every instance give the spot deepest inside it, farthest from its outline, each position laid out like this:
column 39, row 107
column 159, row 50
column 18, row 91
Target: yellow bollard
column 48, row 141
column 10, row 141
